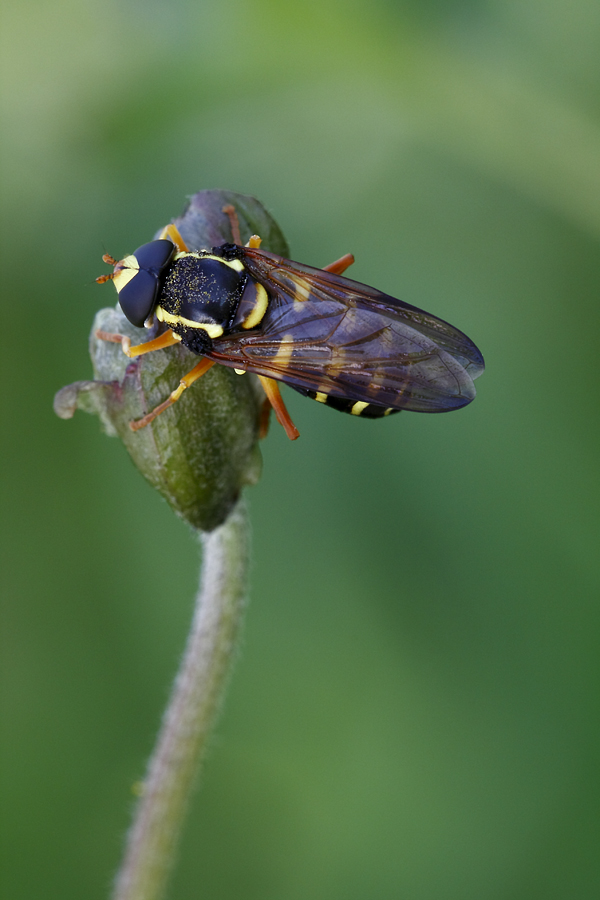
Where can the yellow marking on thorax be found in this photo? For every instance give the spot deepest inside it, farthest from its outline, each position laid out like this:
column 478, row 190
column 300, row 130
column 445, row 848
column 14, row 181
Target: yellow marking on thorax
column 232, row 263
column 358, row 408
column 260, row 307
column 389, row 410
column 321, row 397
column 240, row 371
column 212, row 330
column 127, row 269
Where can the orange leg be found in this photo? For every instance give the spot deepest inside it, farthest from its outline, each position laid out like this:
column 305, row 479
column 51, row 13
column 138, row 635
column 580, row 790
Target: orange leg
column 271, row 389
column 234, row 223
column 264, row 419
column 203, row 366
column 165, row 340
column 168, row 339
column 110, row 336
column 340, row 265
column 172, row 233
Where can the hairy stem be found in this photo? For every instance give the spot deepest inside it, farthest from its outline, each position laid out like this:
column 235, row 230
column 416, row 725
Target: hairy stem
column 152, row 840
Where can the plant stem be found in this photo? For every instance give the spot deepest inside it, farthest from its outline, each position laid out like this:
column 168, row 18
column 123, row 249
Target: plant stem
column 186, row 726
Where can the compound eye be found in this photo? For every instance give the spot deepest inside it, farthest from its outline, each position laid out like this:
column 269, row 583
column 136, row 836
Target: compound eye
column 156, row 255
column 138, row 297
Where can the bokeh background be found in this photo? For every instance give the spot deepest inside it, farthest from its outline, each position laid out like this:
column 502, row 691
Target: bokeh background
column 414, row 712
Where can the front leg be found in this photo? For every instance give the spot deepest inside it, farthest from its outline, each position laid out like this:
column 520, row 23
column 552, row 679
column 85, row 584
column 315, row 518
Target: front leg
column 168, row 339
column 172, row 233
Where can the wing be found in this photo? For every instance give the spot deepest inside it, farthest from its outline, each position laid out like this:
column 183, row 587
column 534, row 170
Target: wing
column 328, row 335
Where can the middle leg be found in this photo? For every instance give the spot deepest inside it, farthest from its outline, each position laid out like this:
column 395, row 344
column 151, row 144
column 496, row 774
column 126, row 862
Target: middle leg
column 193, row 375
column 168, row 339
column 340, row 265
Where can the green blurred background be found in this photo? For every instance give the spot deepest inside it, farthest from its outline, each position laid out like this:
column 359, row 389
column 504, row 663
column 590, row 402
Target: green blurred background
column 414, row 713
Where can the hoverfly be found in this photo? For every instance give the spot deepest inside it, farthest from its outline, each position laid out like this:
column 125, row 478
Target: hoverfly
column 337, row 341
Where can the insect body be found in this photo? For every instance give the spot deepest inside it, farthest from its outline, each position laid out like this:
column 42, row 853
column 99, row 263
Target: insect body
column 338, row 341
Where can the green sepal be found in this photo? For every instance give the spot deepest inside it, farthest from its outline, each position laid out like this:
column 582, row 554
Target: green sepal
column 201, row 451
